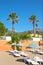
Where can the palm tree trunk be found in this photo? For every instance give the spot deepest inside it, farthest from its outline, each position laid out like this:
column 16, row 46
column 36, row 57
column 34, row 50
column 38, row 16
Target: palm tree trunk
column 13, row 28
column 34, row 28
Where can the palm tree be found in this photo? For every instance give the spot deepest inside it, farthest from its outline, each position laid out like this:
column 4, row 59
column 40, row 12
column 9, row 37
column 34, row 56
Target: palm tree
column 37, row 21
column 14, row 18
column 33, row 19
column 37, row 32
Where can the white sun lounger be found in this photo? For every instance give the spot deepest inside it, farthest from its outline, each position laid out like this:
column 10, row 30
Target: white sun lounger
column 23, row 54
column 40, row 52
column 30, row 61
column 12, row 51
column 16, row 54
column 37, row 59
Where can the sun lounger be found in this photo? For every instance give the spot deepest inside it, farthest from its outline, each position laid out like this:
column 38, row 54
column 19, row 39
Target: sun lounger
column 40, row 52
column 12, row 51
column 30, row 61
column 16, row 54
column 33, row 51
column 23, row 54
column 37, row 59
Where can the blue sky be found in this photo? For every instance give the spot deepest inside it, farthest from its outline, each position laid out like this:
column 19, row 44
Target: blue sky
column 24, row 9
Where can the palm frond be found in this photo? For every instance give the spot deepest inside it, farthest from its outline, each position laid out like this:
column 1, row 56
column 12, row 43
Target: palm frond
column 37, row 21
column 17, row 21
column 16, row 16
column 33, row 17
column 8, row 18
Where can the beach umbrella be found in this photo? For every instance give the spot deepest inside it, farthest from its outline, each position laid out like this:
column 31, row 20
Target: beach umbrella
column 13, row 44
column 19, row 44
column 34, row 45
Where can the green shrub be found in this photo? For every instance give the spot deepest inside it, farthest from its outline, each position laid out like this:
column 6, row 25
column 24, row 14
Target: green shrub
column 19, row 49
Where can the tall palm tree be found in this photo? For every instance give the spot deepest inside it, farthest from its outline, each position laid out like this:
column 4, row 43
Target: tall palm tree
column 33, row 19
column 37, row 21
column 14, row 18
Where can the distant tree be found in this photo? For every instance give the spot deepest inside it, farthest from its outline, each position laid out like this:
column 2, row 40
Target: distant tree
column 15, row 39
column 24, row 36
column 2, row 29
column 29, row 32
column 14, row 18
column 37, row 32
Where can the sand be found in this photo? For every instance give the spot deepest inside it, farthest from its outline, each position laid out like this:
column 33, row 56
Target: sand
column 4, row 46
column 7, row 59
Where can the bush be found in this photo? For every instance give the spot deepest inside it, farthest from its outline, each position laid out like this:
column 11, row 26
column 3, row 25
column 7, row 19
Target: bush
column 19, row 49
column 16, row 39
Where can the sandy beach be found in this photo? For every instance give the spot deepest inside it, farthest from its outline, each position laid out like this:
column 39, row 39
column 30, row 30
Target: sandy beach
column 21, row 32
column 4, row 46
column 7, row 59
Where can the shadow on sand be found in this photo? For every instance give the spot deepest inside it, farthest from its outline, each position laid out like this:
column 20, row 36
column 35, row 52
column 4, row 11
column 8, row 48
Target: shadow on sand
column 20, row 60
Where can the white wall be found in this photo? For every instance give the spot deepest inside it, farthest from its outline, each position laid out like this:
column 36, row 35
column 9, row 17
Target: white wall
column 36, row 39
column 8, row 38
